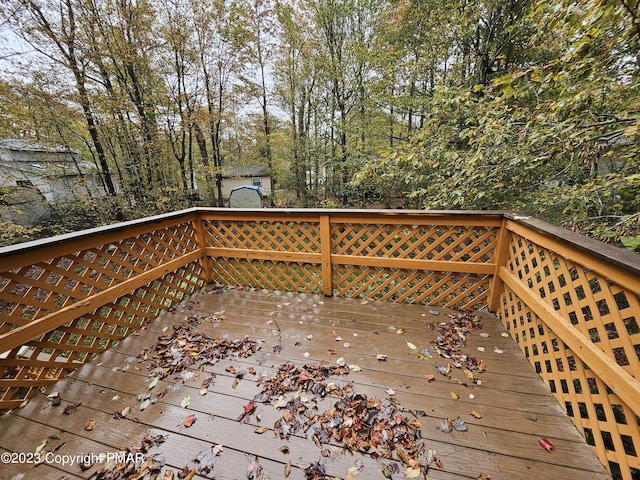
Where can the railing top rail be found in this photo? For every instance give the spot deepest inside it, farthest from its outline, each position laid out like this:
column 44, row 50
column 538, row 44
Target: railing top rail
column 619, row 257
column 91, row 232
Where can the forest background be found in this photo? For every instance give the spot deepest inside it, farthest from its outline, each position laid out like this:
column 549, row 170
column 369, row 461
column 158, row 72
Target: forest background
column 524, row 105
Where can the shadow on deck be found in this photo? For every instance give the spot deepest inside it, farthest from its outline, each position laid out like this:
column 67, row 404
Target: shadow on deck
column 514, row 405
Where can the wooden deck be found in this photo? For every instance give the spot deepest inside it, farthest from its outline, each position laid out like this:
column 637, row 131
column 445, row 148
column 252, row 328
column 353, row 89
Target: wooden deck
column 515, row 406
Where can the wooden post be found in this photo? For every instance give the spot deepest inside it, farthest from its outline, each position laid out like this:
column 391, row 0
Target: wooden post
column 201, row 236
column 501, row 255
column 325, row 251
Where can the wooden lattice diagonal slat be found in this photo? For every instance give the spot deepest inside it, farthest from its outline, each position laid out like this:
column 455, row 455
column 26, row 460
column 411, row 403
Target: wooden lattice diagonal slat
column 605, row 314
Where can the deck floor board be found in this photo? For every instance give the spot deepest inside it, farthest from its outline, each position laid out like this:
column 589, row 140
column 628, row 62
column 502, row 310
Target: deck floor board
column 516, row 407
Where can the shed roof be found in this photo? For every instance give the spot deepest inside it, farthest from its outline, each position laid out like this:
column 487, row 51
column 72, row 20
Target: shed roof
column 23, row 145
column 252, row 170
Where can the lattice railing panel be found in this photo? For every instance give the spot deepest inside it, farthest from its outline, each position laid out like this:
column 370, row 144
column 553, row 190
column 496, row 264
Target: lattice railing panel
column 601, row 310
column 272, row 235
column 287, row 276
column 422, row 242
column 51, row 356
column 411, row 286
column 33, row 291
column 606, row 315
column 606, row 422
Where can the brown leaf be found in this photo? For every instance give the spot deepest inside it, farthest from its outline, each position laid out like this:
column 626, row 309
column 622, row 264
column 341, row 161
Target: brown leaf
column 400, row 331
column 90, row 425
column 69, row 409
column 284, row 449
column 483, row 476
column 188, row 421
column 168, row 474
column 476, row 414
column 287, row 469
column 235, row 383
column 261, row 430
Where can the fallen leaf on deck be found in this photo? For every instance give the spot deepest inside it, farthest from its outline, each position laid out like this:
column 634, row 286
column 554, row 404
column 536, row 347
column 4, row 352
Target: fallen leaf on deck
column 261, row 430
column 388, row 470
column 234, row 385
column 484, row 334
column 306, row 354
column 41, row 446
column 505, row 334
column 459, row 425
column 284, row 450
column 145, row 404
column 153, row 383
column 400, row 331
column 455, row 395
column 255, row 471
column 546, row 444
column 249, row 408
column 498, row 350
column 482, row 349
column 185, row 401
column 352, row 472
column 90, row 425
column 483, row 476
column 206, row 459
column 444, row 425
column 381, row 357
column 54, row 399
column 430, row 378
column 346, row 345
column 411, row 346
column 412, row 472
column 231, row 369
column 432, row 459
column 390, row 391
column 69, row 409
column 355, row 368
column 287, row 469
column 125, row 411
column 338, row 338
column 188, row 421
column 476, row 414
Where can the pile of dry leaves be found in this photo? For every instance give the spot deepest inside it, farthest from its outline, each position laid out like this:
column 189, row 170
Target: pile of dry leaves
column 452, row 336
column 374, row 426
column 187, row 345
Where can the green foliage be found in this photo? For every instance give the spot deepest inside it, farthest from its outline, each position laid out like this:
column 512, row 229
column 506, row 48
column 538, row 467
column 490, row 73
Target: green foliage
column 523, row 105
column 557, row 139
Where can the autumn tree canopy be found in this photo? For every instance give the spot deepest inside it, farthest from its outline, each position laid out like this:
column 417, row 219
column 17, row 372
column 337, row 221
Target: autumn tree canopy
column 525, row 105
